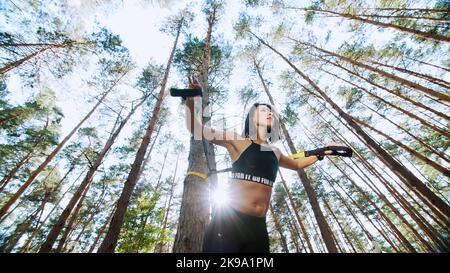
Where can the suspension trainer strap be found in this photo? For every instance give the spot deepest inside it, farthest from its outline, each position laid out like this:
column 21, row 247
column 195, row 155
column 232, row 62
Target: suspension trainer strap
column 203, row 176
column 320, row 152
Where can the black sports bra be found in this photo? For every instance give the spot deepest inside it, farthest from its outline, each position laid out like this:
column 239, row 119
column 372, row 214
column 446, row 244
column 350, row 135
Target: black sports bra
column 256, row 165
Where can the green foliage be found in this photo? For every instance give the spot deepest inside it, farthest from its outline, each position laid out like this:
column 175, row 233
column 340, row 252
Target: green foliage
column 356, row 50
column 150, row 78
column 141, row 227
column 244, row 24
column 309, row 17
column 350, row 95
column 188, row 60
column 247, row 93
column 28, row 128
column 255, row 3
column 289, row 115
column 179, row 22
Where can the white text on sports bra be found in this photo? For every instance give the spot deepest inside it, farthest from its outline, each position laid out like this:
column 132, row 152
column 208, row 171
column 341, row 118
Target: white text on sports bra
column 249, row 177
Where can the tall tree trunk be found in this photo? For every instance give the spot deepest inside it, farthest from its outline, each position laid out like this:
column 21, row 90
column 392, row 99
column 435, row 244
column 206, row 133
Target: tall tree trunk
column 5, row 180
column 24, row 160
column 25, row 226
column 92, row 212
column 404, row 241
column 415, row 201
column 294, row 237
column 26, row 246
column 429, row 64
column 70, row 225
column 297, row 232
column 101, row 230
column 339, row 224
column 158, row 181
column 312, row 197
column 396, row 232
column 441, row 82
column 149, row 152
column 85, row 184
column 415, row 86
column 195, row 203
column 419, row 156
column 389, row 204
column 409, row 114
column 300, row 222
column 419, row 33
column 398, row 94
column 431, row 206
column 411, row 211
column 280, row 230
column 431, row 19
column 402, row 172
column 110, row 241
column 49, row 158
column 424, row 144
column 18, row 63
column 159, row 247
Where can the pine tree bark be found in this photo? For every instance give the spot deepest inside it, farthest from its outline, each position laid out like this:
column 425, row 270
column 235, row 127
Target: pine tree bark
column 426, row 202
column 415, row 86
column 35, row 173
column 417, row 155
column 110, row 241
column 398, row 94
column 440, row 82
column 18, row 63
column 419, row 33
column 86, row 183
column 339, row 224
column 395, row 230
column 24, row 160
column 160, row 246
column 409, row 114
column 297, row 232
column 195, row 204
column 297, row 215
column 27, row 244
column 422, row 222
column 312, row 196
column 280, row 230
column 402, row 172
column 101, row 231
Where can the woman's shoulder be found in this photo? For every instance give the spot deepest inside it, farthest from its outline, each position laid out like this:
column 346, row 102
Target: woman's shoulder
column 276, row 151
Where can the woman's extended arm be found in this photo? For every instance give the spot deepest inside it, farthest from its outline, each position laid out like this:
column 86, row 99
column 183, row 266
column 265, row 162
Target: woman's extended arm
column 296, row 164
column 299, row 163
column 195, row 125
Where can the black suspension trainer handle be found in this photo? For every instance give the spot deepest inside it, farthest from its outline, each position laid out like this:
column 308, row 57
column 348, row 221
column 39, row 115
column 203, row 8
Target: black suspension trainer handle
column 176, row 92
column 335, row 150
column 189, row 92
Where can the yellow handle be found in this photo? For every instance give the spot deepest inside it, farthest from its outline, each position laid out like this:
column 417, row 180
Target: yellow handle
column 294, row 156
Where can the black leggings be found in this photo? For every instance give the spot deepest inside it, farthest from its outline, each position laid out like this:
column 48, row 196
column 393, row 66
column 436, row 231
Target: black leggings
column 232, row 231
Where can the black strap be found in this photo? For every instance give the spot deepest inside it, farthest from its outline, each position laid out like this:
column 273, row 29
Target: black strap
column 175, row 92
column 335, row 150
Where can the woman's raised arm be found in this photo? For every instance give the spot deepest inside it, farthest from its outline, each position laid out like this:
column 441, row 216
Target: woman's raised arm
column 195, row 125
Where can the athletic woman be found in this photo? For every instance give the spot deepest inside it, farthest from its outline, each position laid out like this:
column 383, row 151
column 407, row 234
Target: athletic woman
column 240, row 226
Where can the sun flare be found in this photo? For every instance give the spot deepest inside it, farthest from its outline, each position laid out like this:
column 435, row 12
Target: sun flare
column 220, row 196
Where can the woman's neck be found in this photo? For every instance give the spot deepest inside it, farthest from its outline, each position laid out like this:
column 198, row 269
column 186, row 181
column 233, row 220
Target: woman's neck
column 261, row 137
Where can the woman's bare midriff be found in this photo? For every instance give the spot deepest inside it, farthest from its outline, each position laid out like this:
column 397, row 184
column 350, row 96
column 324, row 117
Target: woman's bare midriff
column 246, row 196
column 249, row 197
